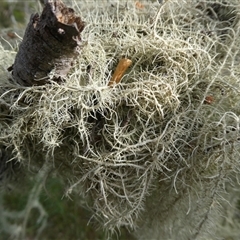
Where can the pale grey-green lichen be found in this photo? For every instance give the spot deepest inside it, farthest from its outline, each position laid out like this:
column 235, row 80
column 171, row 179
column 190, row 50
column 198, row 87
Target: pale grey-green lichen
column 154, row 152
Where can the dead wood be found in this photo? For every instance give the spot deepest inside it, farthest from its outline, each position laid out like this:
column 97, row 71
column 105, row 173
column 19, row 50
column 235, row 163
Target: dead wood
column 51, row 43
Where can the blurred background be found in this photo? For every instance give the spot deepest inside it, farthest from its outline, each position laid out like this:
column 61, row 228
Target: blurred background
column 14, row 16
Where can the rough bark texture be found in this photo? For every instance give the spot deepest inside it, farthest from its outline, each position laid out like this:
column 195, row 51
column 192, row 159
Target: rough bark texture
column 51, row 42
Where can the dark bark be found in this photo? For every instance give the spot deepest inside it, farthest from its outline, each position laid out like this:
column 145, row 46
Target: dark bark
column 51, row 42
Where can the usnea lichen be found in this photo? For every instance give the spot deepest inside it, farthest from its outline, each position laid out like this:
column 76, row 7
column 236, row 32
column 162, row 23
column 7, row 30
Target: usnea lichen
column 157, row 149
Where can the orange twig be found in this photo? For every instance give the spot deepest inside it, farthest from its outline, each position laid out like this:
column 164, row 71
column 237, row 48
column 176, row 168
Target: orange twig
column 122, row 66
column 209, row 99
column 139, row 5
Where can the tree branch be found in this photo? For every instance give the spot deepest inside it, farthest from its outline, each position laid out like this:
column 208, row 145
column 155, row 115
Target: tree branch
column 51, row 42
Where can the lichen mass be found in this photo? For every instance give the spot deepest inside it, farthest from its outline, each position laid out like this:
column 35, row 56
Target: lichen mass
column 155, row 151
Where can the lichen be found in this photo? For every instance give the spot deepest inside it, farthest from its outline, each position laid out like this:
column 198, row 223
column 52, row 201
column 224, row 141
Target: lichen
column 151, row 144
